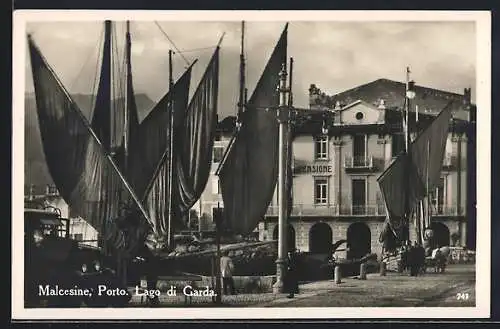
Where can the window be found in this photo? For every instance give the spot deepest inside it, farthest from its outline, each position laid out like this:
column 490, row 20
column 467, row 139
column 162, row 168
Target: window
column 359, row 150
column 358, row 196
column 218, row 153
column 321, row 148
column 215, row 185
column 52, row 190
column 437, row 196
column 398, row 144
column 321, row 191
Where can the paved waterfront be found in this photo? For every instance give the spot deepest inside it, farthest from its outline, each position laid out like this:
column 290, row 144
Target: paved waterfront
column 393, row 290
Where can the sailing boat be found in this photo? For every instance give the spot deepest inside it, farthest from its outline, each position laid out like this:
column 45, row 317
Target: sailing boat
column 82, row 167
column 143, row 150
column 136, row 148
column 406, row 183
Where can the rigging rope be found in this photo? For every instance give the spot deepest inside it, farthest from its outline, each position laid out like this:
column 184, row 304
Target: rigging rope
column 90, row 54
column 172, row 43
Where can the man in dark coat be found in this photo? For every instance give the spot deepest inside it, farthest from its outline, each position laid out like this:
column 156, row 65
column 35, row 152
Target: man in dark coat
column 414, row 259
column 420, row 258
column 291, row 277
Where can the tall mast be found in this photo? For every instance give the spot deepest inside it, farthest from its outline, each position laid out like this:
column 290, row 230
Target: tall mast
column 406, row 221
column 127, row 118
column 241, row 101
column 427, row 183
column 170, row 240
column 407, row 110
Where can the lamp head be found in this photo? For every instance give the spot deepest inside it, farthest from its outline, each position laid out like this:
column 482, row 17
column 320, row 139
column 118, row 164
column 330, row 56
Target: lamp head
column 410, row 91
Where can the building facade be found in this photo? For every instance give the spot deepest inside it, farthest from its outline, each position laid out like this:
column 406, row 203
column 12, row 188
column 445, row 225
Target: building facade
column 335, row 191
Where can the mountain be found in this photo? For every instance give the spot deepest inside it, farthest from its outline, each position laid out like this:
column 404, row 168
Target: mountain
column 35, row 168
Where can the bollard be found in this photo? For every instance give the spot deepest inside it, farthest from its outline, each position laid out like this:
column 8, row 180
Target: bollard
column 383, row 268
column 362, row 271
column 338, row 276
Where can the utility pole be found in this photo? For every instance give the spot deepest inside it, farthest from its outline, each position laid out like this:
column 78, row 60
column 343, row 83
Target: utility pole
column 170, row 238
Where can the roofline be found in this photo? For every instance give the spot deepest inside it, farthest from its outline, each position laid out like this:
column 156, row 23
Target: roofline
column 399, row 82
column 359, row 101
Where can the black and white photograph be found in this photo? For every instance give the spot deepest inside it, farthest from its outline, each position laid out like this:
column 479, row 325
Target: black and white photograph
column 251, row 164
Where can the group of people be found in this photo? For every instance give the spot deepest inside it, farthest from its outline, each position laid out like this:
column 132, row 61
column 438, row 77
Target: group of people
column 291, row 283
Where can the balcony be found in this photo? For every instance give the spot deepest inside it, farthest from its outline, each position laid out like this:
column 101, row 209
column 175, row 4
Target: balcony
column 448, row 210
column 359, row 163
column 451, row 162
column 306, row 210
column 312, row 210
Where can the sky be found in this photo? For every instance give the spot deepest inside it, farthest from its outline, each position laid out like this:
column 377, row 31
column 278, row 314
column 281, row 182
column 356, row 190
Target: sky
column 336, row 56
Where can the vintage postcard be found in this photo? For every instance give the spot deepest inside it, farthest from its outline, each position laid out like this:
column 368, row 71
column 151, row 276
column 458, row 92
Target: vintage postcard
column 251, row 165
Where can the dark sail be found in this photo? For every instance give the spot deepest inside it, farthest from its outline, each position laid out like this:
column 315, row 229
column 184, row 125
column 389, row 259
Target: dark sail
column 421, row 169
column 249, row 172
column 101, row 117
column 196, row 142
column 152, row 138
column 428, row 149
column 153, row 153
column 130, row 125
column 84, row 173
column 394, row 190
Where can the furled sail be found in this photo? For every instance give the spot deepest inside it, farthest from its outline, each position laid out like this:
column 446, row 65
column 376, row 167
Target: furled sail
column 84, row 173
column 194, row 159
column 409, row 176
column 249, row 172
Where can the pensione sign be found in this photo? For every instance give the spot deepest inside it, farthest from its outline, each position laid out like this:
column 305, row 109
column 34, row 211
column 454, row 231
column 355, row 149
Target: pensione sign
column 313, row 169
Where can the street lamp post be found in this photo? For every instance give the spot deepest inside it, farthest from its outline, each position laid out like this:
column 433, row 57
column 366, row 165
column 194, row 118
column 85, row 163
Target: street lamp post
column 287, row 115
column 283, row 114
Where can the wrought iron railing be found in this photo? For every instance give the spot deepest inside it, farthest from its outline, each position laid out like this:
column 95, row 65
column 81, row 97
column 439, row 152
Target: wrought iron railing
column 448, row 210
column 358, row 162
column 331, row 210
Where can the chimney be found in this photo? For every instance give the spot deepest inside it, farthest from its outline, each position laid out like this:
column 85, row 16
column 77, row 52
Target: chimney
column 47, row 189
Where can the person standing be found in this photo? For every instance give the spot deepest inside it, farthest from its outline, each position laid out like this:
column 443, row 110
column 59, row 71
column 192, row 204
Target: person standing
column 227, row 268
column 291, row 277
column 420, row 256
column 413, row 260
